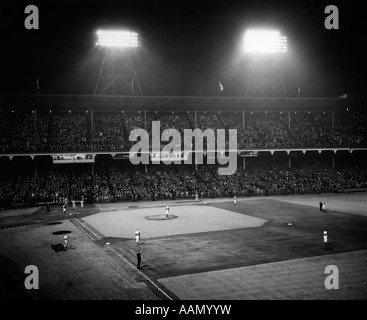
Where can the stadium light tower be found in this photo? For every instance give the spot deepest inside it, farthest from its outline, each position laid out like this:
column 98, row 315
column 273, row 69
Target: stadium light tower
column 264, row 48
column 117, row 74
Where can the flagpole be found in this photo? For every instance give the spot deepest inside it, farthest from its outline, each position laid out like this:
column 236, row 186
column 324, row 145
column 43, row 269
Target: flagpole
column 38, row 85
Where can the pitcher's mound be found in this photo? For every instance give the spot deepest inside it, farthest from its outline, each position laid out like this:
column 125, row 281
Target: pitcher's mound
column 161, row 217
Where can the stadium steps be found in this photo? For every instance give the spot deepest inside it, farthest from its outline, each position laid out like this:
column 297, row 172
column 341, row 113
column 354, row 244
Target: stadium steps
column 125, row 133
column 49, row 129
column 89, row 130
column 220, row 121
column 189, row 120
column 11, row 125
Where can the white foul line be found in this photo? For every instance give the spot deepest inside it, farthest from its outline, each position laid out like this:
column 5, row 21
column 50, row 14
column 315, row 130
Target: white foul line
column 88, row 229
column 83, row 231
column 121, row 257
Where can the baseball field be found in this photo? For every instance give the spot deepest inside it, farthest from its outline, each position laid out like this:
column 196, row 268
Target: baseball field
column 260, row 248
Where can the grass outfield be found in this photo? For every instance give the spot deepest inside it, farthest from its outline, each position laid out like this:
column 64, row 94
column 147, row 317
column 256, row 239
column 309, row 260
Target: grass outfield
column 211, row 250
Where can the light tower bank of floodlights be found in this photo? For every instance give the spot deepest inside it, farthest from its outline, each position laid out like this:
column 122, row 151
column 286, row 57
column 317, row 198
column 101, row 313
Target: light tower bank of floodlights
column 117, row 75
column 263, row 48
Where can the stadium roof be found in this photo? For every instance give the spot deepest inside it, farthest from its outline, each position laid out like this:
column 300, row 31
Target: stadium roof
column 155, row 103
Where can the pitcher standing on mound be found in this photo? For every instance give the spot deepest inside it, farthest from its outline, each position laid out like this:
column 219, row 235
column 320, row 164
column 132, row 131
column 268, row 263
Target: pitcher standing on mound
column 167, row 211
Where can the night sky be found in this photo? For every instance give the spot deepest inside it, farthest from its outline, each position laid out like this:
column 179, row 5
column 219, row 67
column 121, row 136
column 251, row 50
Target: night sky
column 187, row 45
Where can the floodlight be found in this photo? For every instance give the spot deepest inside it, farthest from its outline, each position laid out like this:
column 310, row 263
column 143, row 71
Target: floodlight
column 117, row 38
column 265, row 41
column 117, row 74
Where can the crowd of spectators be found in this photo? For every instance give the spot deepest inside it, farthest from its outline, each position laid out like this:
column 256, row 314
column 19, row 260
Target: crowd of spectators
column 43, row 131
column 265, row 130
column 169, row 120
column 109, row 131
column 114, row 181
column 69, row 132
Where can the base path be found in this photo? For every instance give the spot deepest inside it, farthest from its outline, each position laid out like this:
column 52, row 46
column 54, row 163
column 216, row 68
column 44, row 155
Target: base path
column 190, row 219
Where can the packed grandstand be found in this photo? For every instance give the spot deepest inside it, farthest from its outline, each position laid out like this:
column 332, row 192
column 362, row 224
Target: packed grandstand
column 46, row 131
column 335, row 138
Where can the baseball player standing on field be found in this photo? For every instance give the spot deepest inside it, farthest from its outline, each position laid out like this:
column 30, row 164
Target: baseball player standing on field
column 66, row 242
column 138, row 256
column 167, row 211
column 137, row 237
column 325, row 236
